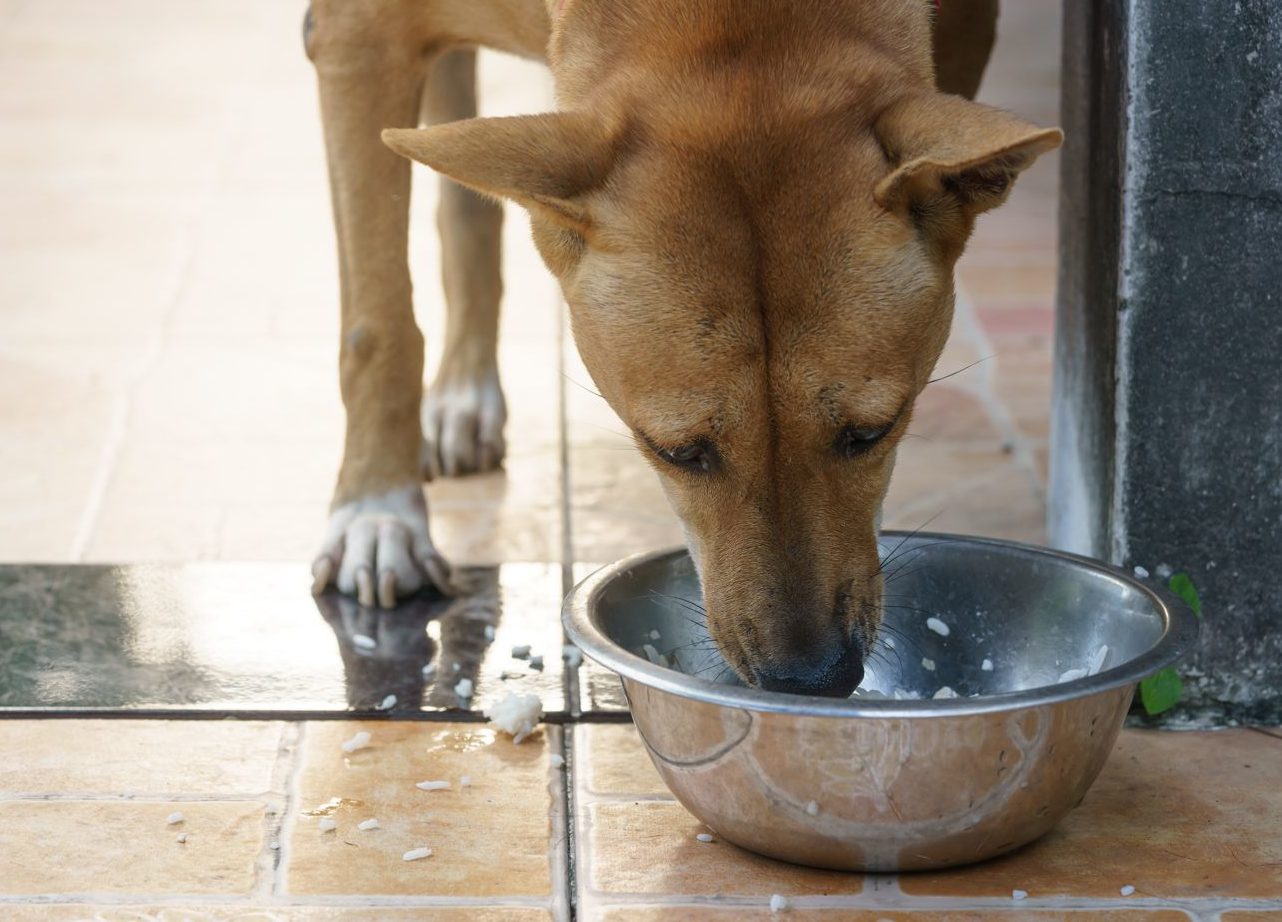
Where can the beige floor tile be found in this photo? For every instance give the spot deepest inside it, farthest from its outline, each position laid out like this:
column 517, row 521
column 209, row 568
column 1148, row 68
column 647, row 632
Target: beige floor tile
column 999, row 283
column 150, row 757
column 505, row 811
column 1264, row 915
column 76, row 846
column 265, row 912
column 53, row 427
column 711, row 914
column 1002, row 502
column 952, row 414
column 649, row 847
column 1173, row 814
column 613, row 761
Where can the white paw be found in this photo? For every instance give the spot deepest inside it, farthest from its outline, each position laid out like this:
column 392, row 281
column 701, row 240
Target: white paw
column 378, row 547
column 463, row 418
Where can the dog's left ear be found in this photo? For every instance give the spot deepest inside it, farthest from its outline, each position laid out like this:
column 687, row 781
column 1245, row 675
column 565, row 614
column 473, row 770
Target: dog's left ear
column 948, row 151
column 545, row 163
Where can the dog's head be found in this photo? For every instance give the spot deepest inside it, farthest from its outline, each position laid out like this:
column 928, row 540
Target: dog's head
column 761, row 300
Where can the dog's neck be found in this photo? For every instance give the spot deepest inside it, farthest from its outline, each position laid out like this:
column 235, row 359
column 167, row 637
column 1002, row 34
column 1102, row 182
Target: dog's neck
column 620, row 54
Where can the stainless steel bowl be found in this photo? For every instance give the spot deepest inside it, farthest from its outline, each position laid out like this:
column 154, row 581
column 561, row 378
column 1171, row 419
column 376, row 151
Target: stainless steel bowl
column 884, row 784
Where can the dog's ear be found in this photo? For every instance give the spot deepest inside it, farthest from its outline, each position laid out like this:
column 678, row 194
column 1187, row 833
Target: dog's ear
column 543, row 162
column 948, row 151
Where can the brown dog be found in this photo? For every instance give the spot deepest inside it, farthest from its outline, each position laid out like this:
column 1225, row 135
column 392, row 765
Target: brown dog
column 753, row 208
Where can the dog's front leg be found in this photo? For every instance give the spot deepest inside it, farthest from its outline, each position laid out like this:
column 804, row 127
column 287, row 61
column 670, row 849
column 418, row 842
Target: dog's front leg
column 377, row 544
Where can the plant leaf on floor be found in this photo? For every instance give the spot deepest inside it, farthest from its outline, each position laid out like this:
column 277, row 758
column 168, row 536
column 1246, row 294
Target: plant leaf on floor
column 1161, row 691
column 1182, row 585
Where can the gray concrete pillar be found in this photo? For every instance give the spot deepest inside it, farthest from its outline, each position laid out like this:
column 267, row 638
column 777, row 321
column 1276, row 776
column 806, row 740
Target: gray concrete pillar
column 1167, row 426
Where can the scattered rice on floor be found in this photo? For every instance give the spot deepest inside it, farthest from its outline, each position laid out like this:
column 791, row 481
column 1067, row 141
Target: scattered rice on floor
column 182, row 838
column 489, row 632
column 986, row 665
column 1127, row 890
column 174, row 818
column 364, row 641
column 813, row 808
column 1019, row 894
column 938, row 627
column 359, row 741
column 516, row 714
column 432, row 785
column 465, row 781
column 367, row 825
column 778, row 903
column 387, row 703
column 572, row 655
column 521, row 651
column 556, row 760
column 927, row 664
column 464, row 688
column 414, row 854
column 704, row 837
column 1141, row 572
column 536, row 662
column 327, row 824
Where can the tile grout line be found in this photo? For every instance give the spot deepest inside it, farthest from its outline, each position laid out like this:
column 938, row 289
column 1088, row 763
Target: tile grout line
column 559, row 838
column 277, row 859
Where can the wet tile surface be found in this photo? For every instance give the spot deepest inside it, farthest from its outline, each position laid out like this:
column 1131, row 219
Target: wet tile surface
column 611, row 760
column 78, row 846
column 249, row 638
column 491, row 838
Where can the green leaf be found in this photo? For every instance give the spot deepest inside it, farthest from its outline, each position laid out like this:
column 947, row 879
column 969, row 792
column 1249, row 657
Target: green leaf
column 1183, row 586
column 1161, row 691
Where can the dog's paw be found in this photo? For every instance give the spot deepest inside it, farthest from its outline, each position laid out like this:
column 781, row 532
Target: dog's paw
column 378, row 547
column 463, row 419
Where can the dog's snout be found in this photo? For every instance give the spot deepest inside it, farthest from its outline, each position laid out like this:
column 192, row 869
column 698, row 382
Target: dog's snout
column 830, row 670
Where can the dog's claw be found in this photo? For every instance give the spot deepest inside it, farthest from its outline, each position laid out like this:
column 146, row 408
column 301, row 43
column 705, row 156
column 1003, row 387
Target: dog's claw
column 365, row 587
column 379, row 547
column 387, row 589
column 322, row 573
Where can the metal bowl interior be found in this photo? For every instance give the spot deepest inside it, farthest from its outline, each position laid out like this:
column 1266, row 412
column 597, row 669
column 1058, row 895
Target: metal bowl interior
column 1022, row 622
column 886, row 783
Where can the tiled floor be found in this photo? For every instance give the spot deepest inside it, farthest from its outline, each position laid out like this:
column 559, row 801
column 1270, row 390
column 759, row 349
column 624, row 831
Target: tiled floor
column 168, row 394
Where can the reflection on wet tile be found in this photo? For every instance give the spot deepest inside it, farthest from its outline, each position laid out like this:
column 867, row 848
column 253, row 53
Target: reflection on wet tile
column 126, row 757
column 250, row 638
column 488, row 839
column 610, row 759
column 266, row 912
column 1173, row 814
column 76, row 846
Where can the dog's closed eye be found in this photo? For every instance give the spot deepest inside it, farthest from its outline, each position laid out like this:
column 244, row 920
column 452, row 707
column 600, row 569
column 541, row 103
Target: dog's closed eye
column 698, row 457
column 853, row 440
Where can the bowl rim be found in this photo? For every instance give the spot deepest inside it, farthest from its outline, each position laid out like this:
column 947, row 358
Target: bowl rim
column 1181, row 629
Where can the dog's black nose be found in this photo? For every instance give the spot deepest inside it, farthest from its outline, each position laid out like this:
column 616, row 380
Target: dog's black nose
column 834, row 675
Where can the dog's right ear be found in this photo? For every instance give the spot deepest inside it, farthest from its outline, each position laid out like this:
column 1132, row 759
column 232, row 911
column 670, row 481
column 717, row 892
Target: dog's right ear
column 545, row 163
